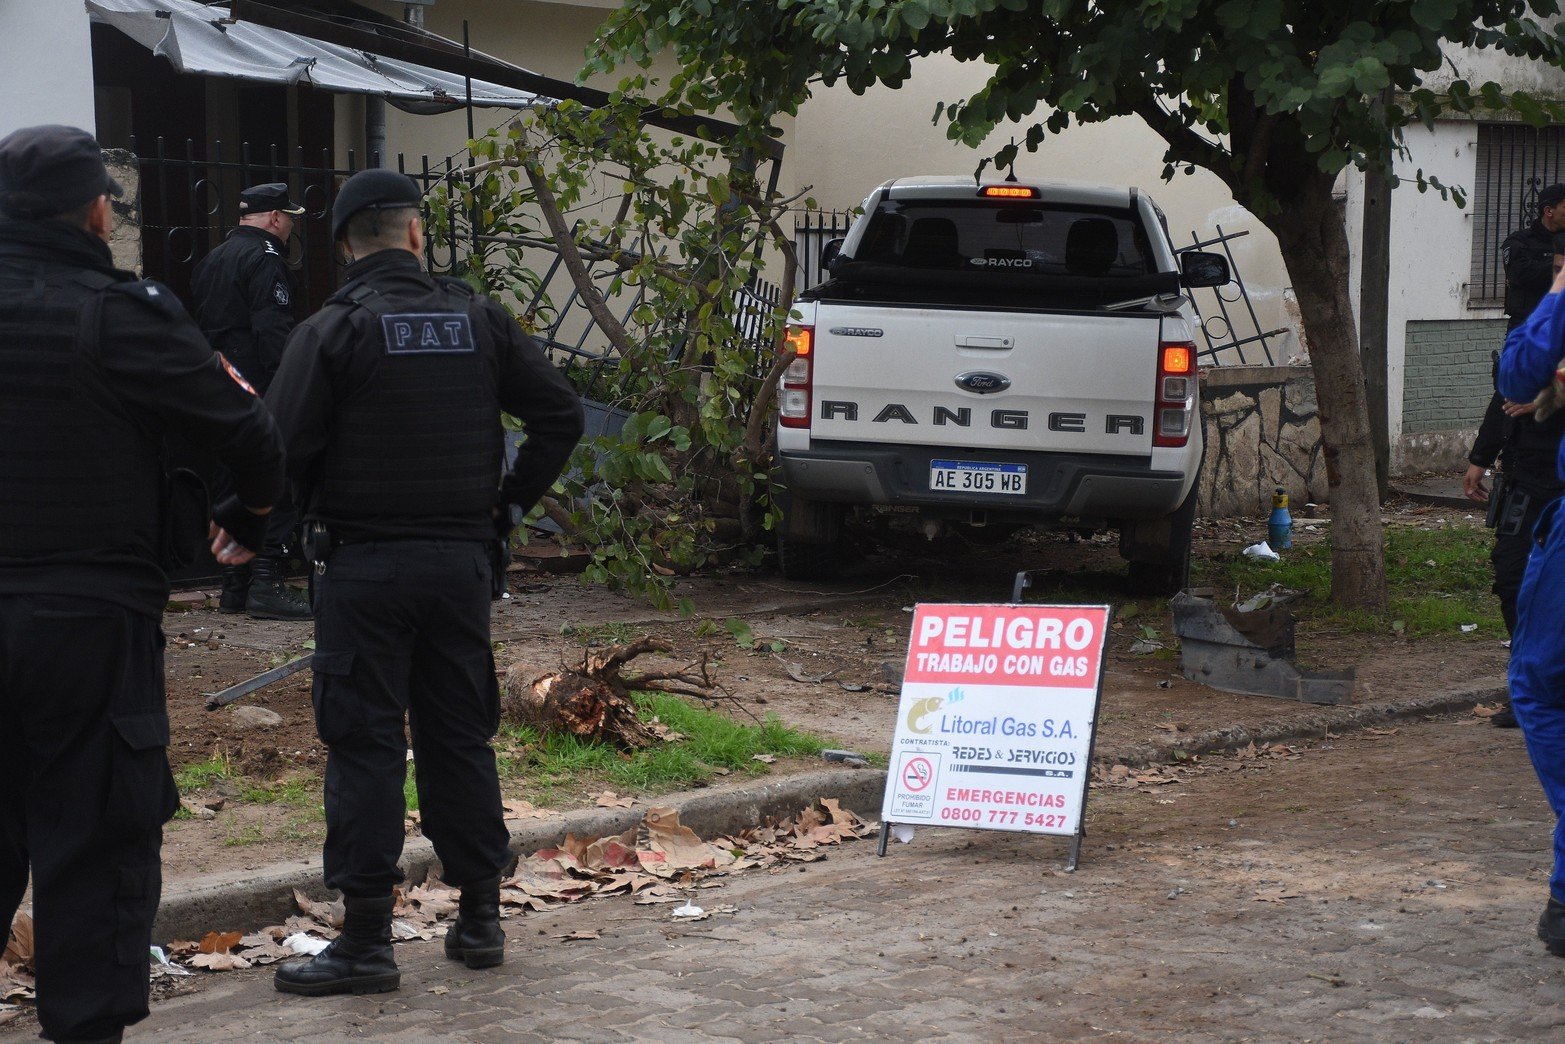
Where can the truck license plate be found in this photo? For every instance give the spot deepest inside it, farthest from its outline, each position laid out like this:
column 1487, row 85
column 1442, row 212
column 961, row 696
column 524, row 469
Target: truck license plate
column 972, row 476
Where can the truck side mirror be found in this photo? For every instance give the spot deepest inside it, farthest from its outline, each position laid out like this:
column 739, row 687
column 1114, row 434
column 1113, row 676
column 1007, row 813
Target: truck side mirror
column 1200, row 268
column 829, row 253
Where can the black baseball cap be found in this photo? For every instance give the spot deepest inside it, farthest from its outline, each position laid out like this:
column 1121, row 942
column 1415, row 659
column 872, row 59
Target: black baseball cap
column 51, row 169
column 258, row 199
column 1550, row 196
column 373, row 189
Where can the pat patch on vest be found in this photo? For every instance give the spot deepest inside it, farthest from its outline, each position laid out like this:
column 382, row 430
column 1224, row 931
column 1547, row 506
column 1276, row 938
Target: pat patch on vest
column 417, row 333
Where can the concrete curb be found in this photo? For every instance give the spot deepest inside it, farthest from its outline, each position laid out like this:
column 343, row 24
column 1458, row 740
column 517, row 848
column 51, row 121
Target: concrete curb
column 250, row 899
column 1313, row 723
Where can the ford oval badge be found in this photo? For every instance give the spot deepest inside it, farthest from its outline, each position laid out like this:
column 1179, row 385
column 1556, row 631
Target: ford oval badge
column 982, row 382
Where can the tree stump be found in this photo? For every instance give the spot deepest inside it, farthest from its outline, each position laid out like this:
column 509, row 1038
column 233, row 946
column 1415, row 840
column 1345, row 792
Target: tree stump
column 593, row 702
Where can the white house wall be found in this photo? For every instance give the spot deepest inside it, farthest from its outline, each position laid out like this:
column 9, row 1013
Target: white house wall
column 47, row 73
column 1439, row 349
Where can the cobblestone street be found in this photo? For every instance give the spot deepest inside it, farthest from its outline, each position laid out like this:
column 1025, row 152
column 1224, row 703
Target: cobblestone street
column 1382, row 885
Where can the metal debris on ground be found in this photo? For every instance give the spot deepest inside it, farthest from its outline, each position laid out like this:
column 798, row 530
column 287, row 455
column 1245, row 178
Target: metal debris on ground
column 1250, row 652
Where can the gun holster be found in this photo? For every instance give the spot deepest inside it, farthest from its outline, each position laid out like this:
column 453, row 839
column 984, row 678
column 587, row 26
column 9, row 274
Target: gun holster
column 1496, row 504
column 1512, row 511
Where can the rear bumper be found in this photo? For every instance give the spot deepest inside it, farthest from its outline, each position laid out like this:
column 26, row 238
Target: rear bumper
column 1082, row 486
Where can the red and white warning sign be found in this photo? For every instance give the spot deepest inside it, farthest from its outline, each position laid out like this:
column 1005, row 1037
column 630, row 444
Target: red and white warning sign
column 999, row 703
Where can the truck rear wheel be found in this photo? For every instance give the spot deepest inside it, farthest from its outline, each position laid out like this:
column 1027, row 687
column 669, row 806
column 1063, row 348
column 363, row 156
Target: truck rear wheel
column 1159, row 550
column 809, row 539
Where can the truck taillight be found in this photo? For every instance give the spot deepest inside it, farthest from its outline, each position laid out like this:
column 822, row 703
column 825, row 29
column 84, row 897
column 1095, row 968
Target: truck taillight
column 793, row 388
column 1176, row 394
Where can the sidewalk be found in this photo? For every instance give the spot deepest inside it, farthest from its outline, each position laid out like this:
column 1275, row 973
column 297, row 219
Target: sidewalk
column 1382, row 886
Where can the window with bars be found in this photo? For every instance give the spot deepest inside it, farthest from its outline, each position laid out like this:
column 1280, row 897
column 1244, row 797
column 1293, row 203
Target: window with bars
column 1515, row 161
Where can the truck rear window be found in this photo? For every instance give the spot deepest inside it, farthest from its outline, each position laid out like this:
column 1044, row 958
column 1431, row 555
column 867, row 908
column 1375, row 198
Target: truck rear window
column 1019, row 237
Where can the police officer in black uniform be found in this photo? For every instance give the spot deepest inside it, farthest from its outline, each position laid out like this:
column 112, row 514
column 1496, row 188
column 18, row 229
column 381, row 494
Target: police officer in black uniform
column 389, row 401
column 243, row 297
column 95, row 368
column 1525, row 449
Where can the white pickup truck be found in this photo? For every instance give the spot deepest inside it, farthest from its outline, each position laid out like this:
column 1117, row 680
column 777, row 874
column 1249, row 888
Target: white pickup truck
column 997, row 354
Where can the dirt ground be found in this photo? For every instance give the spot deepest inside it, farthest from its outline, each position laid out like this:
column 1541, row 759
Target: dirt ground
column 1383, row 885
column 850, row 634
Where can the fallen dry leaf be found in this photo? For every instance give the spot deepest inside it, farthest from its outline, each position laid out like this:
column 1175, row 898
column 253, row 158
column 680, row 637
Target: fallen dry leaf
column 218, row 962
column 516, row 810
column 672, row 846
column 19, row 945
column 765, row 759
column 609, row 799
column 328, row 914
column 219, row 942
column 1273, row 895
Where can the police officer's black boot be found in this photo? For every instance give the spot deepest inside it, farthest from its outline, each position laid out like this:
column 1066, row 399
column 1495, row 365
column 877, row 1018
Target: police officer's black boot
column 475, row 937
column 236, row 587
column 357, row 961
column 1551, row 927
column 270, row 597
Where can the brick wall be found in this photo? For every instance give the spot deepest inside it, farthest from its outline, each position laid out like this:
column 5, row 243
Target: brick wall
column 1447, row 381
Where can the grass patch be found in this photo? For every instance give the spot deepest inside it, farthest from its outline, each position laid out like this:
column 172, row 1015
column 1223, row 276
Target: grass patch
column 303, row 792
column 1437, row 579
column 615, row 632
column 554, row 765
column 203, row 774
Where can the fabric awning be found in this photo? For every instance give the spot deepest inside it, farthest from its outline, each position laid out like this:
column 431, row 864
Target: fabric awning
column 198, row 38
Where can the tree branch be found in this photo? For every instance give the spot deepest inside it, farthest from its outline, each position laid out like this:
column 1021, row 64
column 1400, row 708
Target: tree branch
column 1184, row 144
column 571, row 256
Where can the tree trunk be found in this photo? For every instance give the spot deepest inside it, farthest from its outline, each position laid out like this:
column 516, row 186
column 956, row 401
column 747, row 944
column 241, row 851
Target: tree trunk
column 1315, row 249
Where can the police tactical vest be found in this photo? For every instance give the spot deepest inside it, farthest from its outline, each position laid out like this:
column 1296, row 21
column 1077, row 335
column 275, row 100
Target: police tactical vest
column 77, row 472
column 421, row 436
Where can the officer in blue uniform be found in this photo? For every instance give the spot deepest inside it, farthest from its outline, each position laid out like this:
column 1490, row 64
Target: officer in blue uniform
column 242, row 295
column 96, row 368
column 389, row 401
column 1533, row 352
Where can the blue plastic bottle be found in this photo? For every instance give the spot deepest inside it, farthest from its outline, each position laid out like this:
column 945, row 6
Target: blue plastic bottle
column 1279, row 532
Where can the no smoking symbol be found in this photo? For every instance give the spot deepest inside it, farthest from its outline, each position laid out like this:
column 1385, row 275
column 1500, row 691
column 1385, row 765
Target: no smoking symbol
column 917, row 773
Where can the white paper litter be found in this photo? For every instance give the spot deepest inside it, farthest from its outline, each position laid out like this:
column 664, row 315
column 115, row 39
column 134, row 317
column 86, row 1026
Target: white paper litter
column 308, row 945
column 903, row 832
column 1263, row 550
column 161, row 959
column 688, row 910
column 1469, row 628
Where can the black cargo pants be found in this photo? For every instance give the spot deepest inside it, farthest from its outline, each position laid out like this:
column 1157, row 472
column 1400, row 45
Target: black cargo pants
column 84, row 792
column 402, row 630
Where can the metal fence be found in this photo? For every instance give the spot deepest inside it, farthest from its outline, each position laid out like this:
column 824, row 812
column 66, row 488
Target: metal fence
column 1229, row 323
column 190, row 201
column 812, row 230
column 1514, row 163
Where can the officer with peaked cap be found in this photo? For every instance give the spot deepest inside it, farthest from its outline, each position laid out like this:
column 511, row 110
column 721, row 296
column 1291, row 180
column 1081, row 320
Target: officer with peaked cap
column 95, row 368
column 243, row 297
column 389, row 400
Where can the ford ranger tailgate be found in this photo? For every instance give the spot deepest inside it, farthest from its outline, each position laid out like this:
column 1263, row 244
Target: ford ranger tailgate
column 1075, row 383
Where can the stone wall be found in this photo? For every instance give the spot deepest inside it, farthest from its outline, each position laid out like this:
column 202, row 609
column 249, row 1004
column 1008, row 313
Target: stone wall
column 125, row 237
column 1261, row 432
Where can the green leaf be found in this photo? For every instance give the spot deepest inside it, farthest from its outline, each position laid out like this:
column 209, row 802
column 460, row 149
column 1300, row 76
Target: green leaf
column 742, row 633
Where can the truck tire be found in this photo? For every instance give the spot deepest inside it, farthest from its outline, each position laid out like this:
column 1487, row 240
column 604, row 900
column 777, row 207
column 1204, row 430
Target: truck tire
column 1159, row 550
column 809, row 539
